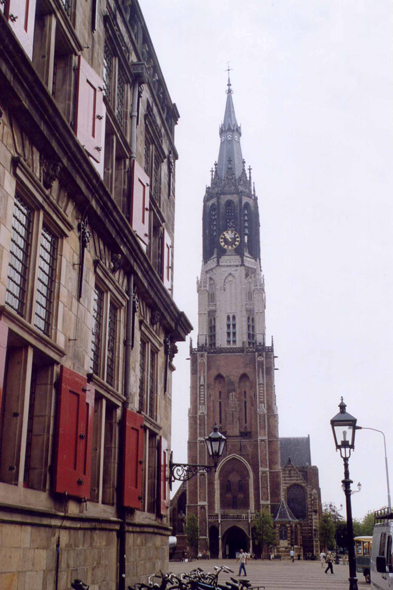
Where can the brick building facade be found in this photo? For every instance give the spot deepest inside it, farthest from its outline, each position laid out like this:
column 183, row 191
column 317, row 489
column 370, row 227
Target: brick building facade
column 232, row 366
column 88, row 324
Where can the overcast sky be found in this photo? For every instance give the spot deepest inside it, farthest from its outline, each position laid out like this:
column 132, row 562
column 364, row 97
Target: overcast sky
column 313, row 92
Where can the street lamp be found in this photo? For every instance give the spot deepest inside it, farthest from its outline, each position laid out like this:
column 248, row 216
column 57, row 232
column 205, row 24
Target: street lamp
column 215, row 444
column 344, row 428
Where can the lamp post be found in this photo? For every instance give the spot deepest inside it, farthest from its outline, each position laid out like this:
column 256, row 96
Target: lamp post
column 386, row 459
column 215, row 444
column 344, row 428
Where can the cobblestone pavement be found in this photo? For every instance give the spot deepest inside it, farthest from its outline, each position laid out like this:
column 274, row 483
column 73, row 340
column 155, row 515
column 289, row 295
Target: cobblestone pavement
column 281, row 575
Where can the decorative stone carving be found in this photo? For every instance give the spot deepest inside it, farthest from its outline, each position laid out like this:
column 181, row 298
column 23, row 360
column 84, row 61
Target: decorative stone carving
column 135, row 302
column 50, row 172
column 117, row 262
column 155, row 317
column 171, row 348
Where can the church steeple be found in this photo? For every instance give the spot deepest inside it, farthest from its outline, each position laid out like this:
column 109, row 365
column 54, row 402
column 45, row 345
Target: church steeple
column 230, row 133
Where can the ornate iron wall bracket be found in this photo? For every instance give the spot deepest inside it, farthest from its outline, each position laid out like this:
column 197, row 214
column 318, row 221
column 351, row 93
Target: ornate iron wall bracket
column 184, row 471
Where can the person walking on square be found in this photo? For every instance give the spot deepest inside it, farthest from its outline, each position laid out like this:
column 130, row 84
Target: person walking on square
column 292, row 555
column 329, row 561
column 323, row 558
column 243, row 560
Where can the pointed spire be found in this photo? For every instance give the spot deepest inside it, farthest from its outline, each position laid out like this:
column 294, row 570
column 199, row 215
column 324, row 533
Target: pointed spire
column 230, row 133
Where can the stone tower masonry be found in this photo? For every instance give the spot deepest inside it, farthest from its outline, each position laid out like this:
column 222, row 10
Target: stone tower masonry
column 232, row 367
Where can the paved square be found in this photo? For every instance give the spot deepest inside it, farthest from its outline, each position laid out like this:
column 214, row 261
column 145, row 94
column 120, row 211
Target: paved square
column 280, row 575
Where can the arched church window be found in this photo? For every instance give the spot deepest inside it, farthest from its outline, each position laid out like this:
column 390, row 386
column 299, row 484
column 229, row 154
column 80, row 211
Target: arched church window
column 283, row 532
column 251, row 330
column 228, row 486
column 233, row 329
column 212, row 331
column 240, row 487
column 247, row 224
column 228, row 329
column 212, row 291
column 234, row 503
column 245, row 407
column 249, row 292
column 296, row 500
column 230, row 214
column 213, row 227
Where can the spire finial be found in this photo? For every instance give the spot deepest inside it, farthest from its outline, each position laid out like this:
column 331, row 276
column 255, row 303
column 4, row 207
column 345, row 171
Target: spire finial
column 229, row 91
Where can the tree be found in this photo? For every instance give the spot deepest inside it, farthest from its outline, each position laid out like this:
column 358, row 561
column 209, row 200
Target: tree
column 263, row 529
column 368, row 524
column 327, row 531
column 192, row 531
column 342, row 533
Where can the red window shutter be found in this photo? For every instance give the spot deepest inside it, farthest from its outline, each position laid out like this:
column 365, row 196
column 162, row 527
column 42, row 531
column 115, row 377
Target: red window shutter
column 90, row 112
column 74, row 434
column 167, row 260
column 3, row 353
column 140, row 203
column 163, row 476
column 23, row 26
column 133, row 460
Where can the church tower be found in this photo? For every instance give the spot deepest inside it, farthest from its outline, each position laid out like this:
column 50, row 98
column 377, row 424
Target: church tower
column 232, row 367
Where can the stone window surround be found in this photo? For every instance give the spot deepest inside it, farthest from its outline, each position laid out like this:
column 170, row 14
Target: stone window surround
column 104, row 393
column 152, row 427
column 154, row 344
column 115, row 294
column 45, row 211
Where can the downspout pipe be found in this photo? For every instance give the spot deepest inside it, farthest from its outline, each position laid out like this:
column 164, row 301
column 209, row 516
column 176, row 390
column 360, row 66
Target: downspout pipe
column 127, row 395
column 140, row 74
column 134, row 119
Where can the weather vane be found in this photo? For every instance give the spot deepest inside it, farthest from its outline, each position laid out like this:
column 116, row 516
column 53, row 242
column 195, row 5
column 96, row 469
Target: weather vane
column 229, row 91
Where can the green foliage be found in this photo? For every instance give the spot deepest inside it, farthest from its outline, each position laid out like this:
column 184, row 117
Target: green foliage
column 327, row 531
column 368, row 524
column 263, row 529
column 192, row 531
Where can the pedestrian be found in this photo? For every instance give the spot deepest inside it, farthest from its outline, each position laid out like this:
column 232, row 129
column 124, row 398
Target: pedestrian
column 292, row 555
column 329, row 561
column 243, row 560
column 323, row 558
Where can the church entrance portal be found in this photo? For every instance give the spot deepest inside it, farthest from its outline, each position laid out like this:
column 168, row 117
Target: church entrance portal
column 213, row 542
column 234, row 540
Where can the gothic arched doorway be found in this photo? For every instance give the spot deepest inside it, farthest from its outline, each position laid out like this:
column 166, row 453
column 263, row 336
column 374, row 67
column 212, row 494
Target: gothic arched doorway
column 213, row 542
column 233, row 540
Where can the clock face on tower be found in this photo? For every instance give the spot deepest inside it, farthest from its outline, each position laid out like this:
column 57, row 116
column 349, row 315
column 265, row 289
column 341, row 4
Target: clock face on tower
column 229, row 239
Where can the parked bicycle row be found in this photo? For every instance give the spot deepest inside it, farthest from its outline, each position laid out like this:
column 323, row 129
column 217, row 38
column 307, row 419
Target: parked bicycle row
column 196, row 579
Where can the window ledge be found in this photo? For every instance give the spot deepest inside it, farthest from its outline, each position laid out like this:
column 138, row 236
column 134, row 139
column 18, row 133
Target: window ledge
column 56, row 7
column 150, row 423
column 42, row 197
column 106, row 390
column 31, row 335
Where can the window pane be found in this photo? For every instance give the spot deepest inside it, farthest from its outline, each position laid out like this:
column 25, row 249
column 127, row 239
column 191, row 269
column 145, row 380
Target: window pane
column 152, row 386
column 18, row 269
column 142, row 370
column 121, row 89
column 110, row 362
column 97, row 330
column 108, row 71
column 45, row 281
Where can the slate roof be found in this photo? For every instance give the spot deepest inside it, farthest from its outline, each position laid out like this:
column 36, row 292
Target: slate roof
column 297, row 449
column 284, row 513
column 230, row 133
